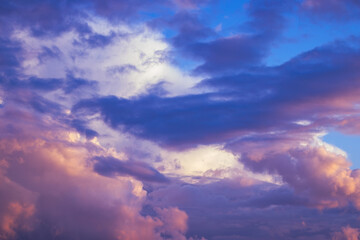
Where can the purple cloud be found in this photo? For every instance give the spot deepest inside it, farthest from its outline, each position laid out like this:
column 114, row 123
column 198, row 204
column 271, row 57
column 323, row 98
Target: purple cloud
column 310, row 86
column 230, row 149
column 333, row 9
column 108, row 166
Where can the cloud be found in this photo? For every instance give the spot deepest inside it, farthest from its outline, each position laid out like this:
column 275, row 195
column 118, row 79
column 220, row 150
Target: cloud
column 9, row 57
column 249, row 209
column 245, row 49
column 231, row 53
column 135, row 58
column 188, row 25
column 109, row 166
column 52, row 192
column 324, row 176
column 103, row 136
column 45, row 18
column 310, row 86
column 333, row 9
column 347, row 233
column 175, row 223
column 191, row 4
column 14, row 219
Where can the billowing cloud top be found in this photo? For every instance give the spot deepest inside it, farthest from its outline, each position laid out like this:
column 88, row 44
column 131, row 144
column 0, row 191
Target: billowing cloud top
column 178, row 119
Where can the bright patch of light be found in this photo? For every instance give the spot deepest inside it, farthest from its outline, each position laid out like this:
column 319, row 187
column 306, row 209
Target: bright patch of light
column 303, row 122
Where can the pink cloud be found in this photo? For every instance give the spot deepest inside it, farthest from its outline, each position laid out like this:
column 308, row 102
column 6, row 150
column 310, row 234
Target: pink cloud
column 347, row 233
column 51, row 190
column 313, row 171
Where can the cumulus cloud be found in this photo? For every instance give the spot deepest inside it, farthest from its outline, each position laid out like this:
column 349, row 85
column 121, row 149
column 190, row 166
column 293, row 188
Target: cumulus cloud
column 52, row 191
column 316, row 172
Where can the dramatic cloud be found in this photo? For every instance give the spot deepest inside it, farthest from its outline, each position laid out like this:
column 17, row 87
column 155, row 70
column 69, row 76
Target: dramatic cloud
column 173, row 120
column 316, row 86
column 52, row 192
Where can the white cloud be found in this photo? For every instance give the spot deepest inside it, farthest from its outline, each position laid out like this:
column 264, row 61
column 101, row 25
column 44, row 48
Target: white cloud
column 133, row 60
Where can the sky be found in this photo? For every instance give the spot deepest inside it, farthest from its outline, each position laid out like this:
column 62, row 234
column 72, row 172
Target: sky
column 179, row 119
